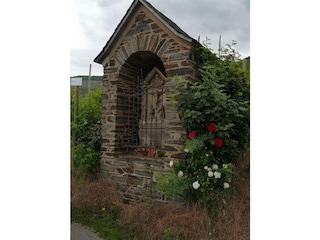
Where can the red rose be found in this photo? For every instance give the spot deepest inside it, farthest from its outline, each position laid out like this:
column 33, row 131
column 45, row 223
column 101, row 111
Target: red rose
column 218, row 142
column 212, row 127
column 192, row 134
column 213, row 195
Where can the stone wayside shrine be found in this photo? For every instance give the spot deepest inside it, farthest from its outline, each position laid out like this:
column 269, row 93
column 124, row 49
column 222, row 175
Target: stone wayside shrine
column 141, row 128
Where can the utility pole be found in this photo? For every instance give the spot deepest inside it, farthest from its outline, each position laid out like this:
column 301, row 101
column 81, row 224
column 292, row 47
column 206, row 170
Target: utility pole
column 89, row 82
column 75, row 82
column 76, row 103
column 219, row 45
column 244, row 66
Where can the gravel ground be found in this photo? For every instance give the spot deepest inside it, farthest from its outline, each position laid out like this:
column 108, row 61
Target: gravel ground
column 80, row 232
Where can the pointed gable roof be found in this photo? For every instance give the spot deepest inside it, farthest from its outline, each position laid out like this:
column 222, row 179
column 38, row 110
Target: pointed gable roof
column 132, row 9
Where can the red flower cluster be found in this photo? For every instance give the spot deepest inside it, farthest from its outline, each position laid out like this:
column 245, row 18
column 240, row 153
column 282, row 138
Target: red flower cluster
column 192, row 134
column 212, row 127
column 218, row 142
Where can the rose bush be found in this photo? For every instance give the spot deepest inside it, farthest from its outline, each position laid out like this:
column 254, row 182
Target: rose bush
column 215, row 113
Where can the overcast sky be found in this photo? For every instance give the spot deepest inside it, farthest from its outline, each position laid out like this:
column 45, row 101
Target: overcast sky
column 93, row 22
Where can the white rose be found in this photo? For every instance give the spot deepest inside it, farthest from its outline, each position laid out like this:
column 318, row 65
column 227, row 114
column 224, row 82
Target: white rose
column 171, row 163
column 226, row 185
column 225, row 165
column 186, row 150
column 217, row 174
column 215, row 167
column 205, row 167
column 196, row 185
column 210, row 174
column 180, row 173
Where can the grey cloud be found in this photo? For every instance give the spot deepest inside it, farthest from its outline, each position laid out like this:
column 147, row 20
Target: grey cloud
column 211, row 18
column 205, row 18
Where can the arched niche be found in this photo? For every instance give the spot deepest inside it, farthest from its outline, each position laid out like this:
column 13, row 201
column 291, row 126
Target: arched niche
column 140, row 102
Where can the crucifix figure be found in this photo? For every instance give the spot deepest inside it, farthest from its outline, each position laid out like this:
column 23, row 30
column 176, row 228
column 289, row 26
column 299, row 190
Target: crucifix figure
column 140, row 25
column 152, row 109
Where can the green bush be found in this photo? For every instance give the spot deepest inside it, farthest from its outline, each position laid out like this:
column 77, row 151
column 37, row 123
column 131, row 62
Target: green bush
column 215, row 112
column 85, row 158
column 86, row 133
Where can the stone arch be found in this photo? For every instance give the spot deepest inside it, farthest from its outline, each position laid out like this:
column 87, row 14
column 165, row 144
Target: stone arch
column 152, row 43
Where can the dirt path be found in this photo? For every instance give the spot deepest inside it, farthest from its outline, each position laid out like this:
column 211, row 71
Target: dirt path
column 80, row 232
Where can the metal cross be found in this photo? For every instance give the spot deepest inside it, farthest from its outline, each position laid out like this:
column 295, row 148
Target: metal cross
column 141, row 24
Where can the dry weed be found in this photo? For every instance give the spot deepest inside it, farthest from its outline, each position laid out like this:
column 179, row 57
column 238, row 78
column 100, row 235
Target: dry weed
column 95, row 194
column 171, row 220
column 168, row 221
column 233, row 221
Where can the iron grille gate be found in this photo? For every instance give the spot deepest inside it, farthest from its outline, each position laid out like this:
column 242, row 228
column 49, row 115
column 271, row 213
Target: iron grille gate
column 146, row 115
